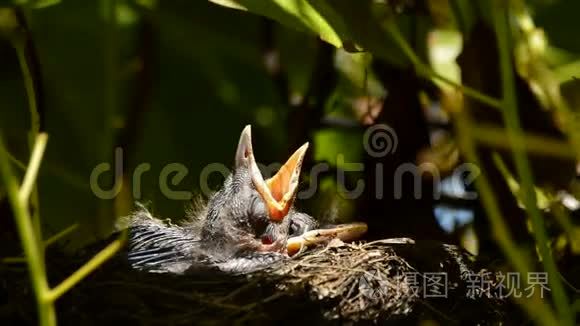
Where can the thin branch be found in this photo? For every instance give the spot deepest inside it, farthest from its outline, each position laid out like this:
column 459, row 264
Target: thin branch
column 425, row 71
column 518, row 258
column 33, row 166
column 60, row 235
column 515, row 133
column 533, row 142
column 29, row 65
column 20, row 47
column 13, row 260
column 16, row 161
column 537, row 307
column 29, row 240
column 90, row 266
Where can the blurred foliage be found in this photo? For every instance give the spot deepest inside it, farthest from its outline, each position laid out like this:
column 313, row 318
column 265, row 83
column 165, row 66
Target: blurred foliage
column 208, row 81
column 175, row 81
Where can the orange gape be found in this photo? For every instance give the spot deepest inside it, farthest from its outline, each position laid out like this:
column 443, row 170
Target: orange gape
column 279, row 191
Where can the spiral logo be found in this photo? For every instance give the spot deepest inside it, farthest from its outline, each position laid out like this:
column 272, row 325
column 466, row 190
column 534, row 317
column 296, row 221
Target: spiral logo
column 380, row 140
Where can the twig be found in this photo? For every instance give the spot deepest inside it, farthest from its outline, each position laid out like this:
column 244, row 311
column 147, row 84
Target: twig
column 510, row 115
column 16, row 161
column 467, row 144
column 534, row 143
column 425, row 71
column 60, row 235
column 29, row 240
column 13, row 260
column 518, row 258
column 88, row 268
column 33, row 166
column 28, row 61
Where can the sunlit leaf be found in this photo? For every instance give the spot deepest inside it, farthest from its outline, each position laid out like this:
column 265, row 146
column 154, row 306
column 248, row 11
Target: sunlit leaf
column 230, row 4
column 444, row 48
column 315, row 15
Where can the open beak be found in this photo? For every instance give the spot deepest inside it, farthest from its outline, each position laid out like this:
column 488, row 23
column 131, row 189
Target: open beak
column 279, row 191
column 344, row 232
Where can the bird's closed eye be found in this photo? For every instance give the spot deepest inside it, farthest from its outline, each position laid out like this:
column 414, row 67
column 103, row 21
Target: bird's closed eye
column 296, row 228
column 257, row 216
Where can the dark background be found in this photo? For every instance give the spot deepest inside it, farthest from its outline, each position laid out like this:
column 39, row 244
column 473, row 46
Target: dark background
column 176, row 81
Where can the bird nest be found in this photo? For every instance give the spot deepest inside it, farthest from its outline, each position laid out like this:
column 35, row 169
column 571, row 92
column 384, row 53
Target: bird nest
column 354, row 281
column 357, row 282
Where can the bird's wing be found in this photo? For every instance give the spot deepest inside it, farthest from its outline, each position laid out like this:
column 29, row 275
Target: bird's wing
column 250, row 262
column 157, row 247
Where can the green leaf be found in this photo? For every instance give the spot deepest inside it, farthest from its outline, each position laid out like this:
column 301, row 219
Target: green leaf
column 229, row 4
column 315, row 16
column 364, row 23
column 34, row 4
column 444, row 46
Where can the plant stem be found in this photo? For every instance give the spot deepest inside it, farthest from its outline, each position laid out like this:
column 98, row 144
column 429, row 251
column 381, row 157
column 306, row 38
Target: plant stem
column 87, row 268
column 515, row 135
column 32, row 170
column 547, row 78
column 60, row 235
column 29, row 240
column 19, row 44
column 534, row 143
column 425, row 71
column 535, row 307
column 110, row 101
column 13, row 260
column 16, row 162
column 520, row 261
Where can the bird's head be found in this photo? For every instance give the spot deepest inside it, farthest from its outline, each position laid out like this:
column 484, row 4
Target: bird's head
column 250, row 212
